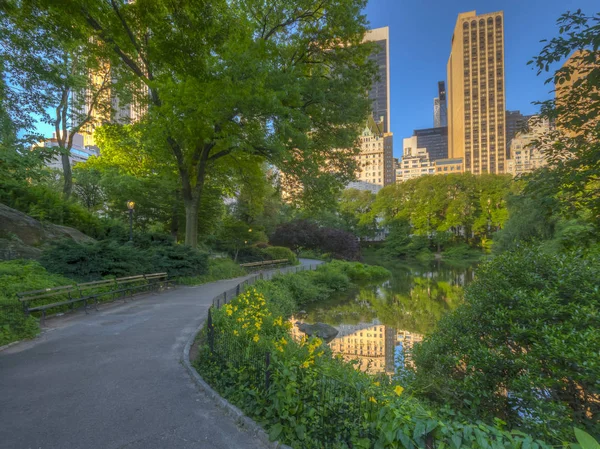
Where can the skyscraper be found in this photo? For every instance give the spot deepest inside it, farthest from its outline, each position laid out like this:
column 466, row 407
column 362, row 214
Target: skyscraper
column 435, row 140
column 476, row 101
column 440, row 112
column 515, row 123
column 380, row 90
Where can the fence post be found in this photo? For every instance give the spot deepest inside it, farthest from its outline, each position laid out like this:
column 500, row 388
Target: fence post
column 267, row 371
column 225, row 297
column 211, row 331
column 237, row 290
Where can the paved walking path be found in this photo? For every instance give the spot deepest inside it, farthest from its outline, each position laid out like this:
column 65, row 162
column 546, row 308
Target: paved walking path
column 113, row 379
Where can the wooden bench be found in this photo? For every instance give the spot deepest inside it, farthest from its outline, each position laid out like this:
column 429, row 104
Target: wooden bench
column 264, row 263
column 90, row 292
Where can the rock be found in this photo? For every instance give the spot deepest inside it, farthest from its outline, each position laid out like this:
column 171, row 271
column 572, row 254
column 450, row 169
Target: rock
column 321, row 330
column 23, row 237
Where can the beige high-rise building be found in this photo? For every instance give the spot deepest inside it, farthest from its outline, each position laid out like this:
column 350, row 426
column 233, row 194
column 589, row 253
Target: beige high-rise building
column 376, row 159
column 476, row 99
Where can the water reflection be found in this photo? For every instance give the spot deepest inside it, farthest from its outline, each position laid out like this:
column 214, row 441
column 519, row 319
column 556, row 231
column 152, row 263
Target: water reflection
column 379, row 324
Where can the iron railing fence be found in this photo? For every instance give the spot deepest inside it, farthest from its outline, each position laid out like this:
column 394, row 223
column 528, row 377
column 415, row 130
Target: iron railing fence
column 340, row 411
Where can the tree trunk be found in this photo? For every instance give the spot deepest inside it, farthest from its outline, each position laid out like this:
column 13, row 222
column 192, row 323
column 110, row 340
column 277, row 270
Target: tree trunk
column 191, row 222
column 68, row 175
column 175, row 217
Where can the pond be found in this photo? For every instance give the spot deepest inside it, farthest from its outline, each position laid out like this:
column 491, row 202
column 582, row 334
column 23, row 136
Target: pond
column 378, row 324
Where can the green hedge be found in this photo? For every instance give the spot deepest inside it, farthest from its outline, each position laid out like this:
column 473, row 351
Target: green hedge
column 218, row 268
column 91, row 261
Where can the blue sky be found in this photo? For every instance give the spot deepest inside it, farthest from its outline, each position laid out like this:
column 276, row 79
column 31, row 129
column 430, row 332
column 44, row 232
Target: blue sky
column 420, row 33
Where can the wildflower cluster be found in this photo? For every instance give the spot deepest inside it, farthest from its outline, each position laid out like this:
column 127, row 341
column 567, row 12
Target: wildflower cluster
column 249, row 318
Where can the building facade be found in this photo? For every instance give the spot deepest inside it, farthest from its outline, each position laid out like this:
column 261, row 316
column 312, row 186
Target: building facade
column 380, row 90
column 79, row 151
column 476, row 99
column 376, row 159
column 515, row 123
column 449, row 166
column 440, row 110
column 415, row 161
column 524, row 156
column 434, row 140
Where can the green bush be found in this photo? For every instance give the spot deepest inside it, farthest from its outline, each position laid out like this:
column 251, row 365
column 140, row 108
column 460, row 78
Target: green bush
column 26, row 275
column 45, row 204
column 177, row 260
column 280, row 252
column 96, row 260
column 218, row 268
column 20, row 276
column 523, row 347
column 461, row 252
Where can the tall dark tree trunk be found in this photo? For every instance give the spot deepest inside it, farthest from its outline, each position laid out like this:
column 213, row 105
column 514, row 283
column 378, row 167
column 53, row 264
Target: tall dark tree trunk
column 67, row 175
column 191, row 221
column 175, row 216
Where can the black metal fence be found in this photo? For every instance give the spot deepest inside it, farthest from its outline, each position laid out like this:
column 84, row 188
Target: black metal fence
column 339, row 411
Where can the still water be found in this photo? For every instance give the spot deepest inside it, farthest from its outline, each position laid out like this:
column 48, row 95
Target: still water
column 379, row 323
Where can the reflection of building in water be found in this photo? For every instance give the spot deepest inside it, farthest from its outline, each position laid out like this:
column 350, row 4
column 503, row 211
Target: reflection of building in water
column 373, row 345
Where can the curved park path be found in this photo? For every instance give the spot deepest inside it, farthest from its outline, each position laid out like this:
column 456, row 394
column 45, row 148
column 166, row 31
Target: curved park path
column 114, row 379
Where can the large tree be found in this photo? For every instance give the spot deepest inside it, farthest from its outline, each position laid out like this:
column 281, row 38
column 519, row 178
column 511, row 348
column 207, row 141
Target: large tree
column 56, row 74
column 283, row 80
column 573, row 145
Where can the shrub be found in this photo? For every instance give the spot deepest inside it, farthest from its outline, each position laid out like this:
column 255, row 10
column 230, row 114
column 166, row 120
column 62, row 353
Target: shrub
column 177, row 260
column 96, row 260
column 280, row 252
column 303, row 235
column 45, row 204
column 461, row 252
column 524, row 346
column 19, row 276
column 218, row 268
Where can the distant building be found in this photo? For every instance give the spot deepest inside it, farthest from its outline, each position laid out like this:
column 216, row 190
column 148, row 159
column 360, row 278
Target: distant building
column 434, row 140
column 448, row 166
column 376, row 159
column 79, row 152
column 380, row 90
column 524, row 156
column 440, row 111
column 515, row 123
column 414, row 163
column 476, row 99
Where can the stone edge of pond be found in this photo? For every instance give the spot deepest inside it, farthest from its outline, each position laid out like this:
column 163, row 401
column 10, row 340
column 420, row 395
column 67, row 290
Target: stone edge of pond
column 239, row 416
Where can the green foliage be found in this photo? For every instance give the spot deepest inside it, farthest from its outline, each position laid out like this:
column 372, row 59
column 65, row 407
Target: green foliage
column 530, row 327
column 26, row 275
column 19, row 276
column 280, row 252
column 460, row 207
column 461, row 252
column 91, row 261
column 314, row 400
column 218, row 269
column 47, row 205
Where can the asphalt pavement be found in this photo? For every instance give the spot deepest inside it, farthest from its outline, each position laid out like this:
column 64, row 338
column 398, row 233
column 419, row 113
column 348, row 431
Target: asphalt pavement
column 113, row 379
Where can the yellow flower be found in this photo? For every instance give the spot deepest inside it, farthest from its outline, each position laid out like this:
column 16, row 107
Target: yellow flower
column 320, row 354
column 376, row 384
column 305, row 364
column 235, row 332
column 398, row 390
column 278, row 322
column 229, row 311
column 372, row 399
column 257, row 324
column 256, row 338
column 283, row 341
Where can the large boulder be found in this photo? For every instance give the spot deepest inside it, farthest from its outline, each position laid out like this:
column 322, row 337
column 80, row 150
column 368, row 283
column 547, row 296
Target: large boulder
column 321, row 330
column 23, row 237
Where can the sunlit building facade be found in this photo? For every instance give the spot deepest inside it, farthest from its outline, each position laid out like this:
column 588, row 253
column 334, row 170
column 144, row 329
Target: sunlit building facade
column 476, row 99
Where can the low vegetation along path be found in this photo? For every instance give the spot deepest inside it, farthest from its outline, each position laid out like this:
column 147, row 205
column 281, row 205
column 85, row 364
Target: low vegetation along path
column 114, row 379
